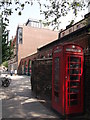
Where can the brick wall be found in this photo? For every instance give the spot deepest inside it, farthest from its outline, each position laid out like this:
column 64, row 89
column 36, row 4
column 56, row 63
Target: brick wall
column 41, row 79
column 34, row 38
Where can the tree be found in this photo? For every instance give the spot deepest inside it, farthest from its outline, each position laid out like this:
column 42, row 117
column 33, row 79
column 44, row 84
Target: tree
column 53, row 11
column 4, row 42
column 6, row 7
column 5, row 64
column 5, row 11
column 7, row 49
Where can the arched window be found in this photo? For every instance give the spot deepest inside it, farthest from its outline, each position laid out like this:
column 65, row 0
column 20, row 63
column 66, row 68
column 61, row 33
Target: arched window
column 29, row 67
column 25, row 67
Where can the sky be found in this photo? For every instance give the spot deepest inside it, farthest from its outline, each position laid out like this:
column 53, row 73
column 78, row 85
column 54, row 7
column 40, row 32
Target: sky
column 28, row 12
column 33, row 12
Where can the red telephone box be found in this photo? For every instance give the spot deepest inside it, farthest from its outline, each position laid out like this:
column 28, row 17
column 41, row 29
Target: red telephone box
column 67, row 79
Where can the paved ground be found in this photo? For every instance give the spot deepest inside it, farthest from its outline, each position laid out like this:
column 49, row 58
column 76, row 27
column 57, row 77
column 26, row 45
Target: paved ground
column 18, row 101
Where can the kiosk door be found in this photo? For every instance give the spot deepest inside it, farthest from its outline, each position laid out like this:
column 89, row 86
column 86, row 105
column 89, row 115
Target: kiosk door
column 56, row 79
column 73, row 83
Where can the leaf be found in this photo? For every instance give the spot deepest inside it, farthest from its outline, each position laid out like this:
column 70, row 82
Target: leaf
column 6, row 19
column 16, row 2
column 78, row 4
column 10, row 3
column 10, row 12
column 31, row 3
column 19, row 13
column 55, row 20
column 2, row 3
column 22, row 5
column 27, row 2
column 16, row 9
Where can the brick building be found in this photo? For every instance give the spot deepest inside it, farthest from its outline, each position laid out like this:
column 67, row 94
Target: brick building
column 28, row 38
column 77, row 33
column 32, row 38
column 12, row 63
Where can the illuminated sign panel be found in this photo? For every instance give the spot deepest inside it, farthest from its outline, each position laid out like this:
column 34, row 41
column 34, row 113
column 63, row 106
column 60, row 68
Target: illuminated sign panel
column 58, row 50
column 73, row 50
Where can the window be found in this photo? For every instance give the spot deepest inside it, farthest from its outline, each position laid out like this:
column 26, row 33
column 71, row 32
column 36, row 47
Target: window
column 74, row 71
column 70, row 30
column 63, row 34
column 20, row 35
column 78, row 26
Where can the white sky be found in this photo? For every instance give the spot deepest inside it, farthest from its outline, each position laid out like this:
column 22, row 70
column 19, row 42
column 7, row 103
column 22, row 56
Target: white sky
column 28, row 12
column 34, row 13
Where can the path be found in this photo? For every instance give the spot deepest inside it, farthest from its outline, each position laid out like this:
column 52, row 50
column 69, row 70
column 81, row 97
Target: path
column 18, row 101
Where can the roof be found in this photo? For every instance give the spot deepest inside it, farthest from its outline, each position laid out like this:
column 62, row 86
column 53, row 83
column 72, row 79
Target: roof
column 65, row 38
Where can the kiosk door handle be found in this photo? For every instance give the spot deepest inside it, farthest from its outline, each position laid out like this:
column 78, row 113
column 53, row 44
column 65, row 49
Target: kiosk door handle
column 65, row 77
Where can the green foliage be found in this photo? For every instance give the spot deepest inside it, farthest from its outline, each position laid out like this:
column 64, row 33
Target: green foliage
column 5, row 64
column 6, row 7
column 54, row 10
column 89, row 30
column 19, row 13
column 7, row 49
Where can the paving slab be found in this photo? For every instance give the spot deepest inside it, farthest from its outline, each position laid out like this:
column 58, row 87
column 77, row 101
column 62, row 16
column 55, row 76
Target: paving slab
column 18, row 101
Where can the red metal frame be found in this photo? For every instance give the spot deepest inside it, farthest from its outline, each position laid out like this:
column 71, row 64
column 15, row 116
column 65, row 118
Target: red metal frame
column 68, row 98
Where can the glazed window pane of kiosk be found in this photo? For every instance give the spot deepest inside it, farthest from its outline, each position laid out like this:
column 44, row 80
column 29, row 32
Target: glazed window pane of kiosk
column 67, row 79
column 74, row 71
column 75, row 65
column 56, row 79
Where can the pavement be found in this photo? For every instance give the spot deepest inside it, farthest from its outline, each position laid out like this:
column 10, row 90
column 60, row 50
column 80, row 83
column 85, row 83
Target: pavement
column 18, row 101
